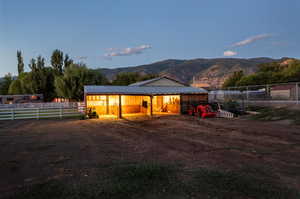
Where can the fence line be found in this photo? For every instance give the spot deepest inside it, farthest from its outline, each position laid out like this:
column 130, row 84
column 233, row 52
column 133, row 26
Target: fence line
column 38, row 113
column 283, row 94
column 44, row 105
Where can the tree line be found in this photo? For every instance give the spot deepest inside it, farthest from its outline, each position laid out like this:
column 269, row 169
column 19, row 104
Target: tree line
column 268, row 73
column 62, row 78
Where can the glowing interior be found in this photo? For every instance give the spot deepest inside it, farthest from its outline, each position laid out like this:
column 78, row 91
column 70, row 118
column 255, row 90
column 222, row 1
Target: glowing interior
column 109, row 104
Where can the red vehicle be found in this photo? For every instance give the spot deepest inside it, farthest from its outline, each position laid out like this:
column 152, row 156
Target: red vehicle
column 203, row 111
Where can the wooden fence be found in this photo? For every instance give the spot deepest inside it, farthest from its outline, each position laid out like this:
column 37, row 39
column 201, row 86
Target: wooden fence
column 38, row 113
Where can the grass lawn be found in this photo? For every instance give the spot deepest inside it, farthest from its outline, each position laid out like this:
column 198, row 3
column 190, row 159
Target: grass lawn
column 154, row 180
column 275, row 114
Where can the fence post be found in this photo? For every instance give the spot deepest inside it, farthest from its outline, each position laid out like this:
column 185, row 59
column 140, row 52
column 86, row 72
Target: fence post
column 297, row 93
column 12, row 114
column 61, row 112
column 267, row 91
column 247, row 96
column 38, row 113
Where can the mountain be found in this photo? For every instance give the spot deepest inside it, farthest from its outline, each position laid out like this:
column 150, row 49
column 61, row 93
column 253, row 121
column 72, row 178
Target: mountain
column 209, row 71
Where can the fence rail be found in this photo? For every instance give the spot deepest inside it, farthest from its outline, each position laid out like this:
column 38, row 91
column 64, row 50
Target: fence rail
column 269, row 94
column 43, row 105
column 38, row 113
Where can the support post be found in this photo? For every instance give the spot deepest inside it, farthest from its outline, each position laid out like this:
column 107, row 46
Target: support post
column 120, row 107
column 247, row 93
column 12, row 114
column 267, row 91
column 151, row 105
column 38, row 113
column 61, row 112
column 297, row 93
column 247, row 96
column 107, row 104
column 85, row 105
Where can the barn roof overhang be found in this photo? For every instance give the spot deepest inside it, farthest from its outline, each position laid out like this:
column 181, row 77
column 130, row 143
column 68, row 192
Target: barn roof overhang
column 135, row 90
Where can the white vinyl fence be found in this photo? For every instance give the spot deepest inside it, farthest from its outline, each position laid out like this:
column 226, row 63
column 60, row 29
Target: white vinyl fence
column 43, row 105
column 38, row 113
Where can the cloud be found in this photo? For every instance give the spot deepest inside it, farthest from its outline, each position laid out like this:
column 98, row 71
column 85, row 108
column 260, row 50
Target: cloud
column 229, row 53
column 114, row 52
column 251, row 40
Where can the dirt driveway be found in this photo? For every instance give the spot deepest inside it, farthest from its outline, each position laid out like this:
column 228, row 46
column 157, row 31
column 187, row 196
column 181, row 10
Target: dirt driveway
column 33, row 151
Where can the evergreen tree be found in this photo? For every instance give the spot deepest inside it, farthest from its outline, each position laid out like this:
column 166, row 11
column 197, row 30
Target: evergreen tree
column 57, row 61
column 233, row 79
column 67, row 61
column 5, row 83
column 20, row 62
column 32, row 65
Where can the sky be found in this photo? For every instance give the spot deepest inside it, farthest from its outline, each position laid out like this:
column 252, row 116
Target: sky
column 119, row 33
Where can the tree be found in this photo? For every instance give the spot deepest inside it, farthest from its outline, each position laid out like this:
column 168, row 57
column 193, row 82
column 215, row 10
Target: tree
column 15, row 88
column 268, row 73
column 126, row 78
column 32, row 65
column 146, row 77
column 20, row 62
column 71, row 84
column 40, row 80
column 5, row 83
column 67, row 61
column 292, row 72
column 233, row 79
column 40, row 63
column 57, row 61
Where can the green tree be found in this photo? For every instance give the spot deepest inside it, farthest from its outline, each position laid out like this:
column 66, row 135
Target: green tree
column 40, row 80
column 32, row 65
column 5, row 83
column 15, row 88
column 71, row 84
column 20, row 62
column 57, row 61
column 146, row 77
column 292, row 72
column 268, row 73
column 67, row 61
column 126, row 78
column 233, row 79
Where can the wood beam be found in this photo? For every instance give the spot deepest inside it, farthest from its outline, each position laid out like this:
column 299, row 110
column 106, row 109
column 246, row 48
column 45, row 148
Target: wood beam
column 151, row 105
column 120, row 107
column 107, row 104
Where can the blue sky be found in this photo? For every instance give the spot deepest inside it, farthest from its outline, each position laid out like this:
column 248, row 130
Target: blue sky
column 113, row 33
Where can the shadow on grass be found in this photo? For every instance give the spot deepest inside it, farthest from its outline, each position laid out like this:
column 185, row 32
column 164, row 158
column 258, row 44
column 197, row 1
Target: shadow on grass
column 152, row 180
column 228, row 184
column 275, row 114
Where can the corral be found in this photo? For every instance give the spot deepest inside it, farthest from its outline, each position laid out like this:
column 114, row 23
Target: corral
column 84, row 151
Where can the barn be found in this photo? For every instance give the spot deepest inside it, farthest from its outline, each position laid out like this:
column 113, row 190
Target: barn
column 158, row 96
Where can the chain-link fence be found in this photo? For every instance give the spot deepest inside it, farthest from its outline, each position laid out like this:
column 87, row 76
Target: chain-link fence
column 265, row 95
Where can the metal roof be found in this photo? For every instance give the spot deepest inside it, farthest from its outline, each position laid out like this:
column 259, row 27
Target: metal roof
column 142, row 83
column 136, row 90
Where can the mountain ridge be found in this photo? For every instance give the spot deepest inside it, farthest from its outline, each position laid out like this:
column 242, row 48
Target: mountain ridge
column 212, row 71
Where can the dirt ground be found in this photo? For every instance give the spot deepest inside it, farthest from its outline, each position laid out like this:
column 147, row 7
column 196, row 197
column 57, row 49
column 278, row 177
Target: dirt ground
column 32, row 151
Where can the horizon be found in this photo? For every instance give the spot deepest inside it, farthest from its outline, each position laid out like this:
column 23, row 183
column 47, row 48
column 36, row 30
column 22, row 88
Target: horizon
column 126, row 34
